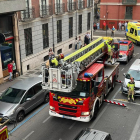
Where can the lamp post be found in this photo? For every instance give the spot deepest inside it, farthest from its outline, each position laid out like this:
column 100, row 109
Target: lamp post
column 106, row 21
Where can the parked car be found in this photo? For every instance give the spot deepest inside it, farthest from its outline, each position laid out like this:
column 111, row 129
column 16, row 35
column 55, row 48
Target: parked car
column 126, row 50
column 22, row 97
column 134, row 71
column 92, row 134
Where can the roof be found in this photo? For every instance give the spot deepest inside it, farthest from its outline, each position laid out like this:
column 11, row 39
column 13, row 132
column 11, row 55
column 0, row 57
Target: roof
column 93, row 69
column 27, row 83
column 136, row 65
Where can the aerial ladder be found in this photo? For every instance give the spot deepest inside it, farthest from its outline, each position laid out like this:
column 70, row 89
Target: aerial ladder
column 64, row 78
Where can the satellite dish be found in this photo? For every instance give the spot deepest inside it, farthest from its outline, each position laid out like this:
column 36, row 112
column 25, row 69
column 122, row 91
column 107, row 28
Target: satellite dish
column 2, row 38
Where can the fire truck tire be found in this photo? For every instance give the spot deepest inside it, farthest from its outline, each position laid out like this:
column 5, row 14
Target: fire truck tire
column 113, row 84
column 20, row 116
column 46, row 99
column 95, row 111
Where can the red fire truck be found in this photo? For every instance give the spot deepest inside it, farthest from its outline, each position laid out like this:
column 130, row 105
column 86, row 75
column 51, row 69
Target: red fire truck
column 79, row 86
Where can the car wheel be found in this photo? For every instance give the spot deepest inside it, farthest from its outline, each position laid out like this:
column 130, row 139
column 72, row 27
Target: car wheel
column 136, row 43
column 20, row 116
column 46, row 100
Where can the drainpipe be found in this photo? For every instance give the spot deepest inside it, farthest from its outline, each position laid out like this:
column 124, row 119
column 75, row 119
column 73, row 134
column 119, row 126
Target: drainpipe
column 53, row 31
column 92, row 15
column 76, row 16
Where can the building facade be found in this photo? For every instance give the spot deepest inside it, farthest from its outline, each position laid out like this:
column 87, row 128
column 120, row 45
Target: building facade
column 113, row 11
column 9, row 48
column 52, row 24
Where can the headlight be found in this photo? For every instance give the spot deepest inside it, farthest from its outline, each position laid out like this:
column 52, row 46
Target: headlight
column 85, row 113
column 80, row 103
column 52, row 108
column 9, row 113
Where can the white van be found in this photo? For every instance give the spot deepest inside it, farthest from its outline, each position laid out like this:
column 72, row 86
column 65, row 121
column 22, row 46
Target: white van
column 134, row 71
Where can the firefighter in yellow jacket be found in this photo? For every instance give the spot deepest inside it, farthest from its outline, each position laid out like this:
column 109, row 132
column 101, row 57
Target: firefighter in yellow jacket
column 131, row 86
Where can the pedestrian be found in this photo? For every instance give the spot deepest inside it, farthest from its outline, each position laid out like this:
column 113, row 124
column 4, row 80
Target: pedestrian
column 125, row 24
column 98, row 26
column 51, row 54
column 130, row 87
column 120, row 25
column 89, row 36
column 104, row 25
column 95, row 27
column 79, row 43
column 113, row 31
column 10, row 70
column 14, row 69
column 86, row 40
column 75, row 43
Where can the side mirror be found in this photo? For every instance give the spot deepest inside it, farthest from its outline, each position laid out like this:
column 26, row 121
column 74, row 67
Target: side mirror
column 124, row 74
column 28, row 99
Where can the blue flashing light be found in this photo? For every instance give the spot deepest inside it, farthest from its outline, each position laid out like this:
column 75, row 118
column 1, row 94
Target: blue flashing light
column 135, row 22
column 88, row 75
column 123, row 42
column 138, row 27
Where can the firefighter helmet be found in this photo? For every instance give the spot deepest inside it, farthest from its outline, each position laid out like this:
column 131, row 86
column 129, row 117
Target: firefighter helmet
column 131, row 78
column 61, row 56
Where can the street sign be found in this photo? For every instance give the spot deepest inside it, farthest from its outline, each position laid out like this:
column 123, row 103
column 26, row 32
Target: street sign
column 2, row 38
column 4, row 133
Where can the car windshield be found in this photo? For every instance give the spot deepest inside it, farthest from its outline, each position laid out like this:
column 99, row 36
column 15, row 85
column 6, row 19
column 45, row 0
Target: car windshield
column 81, row 90
column 12, row 95
column 138, row 32
column 133, row 73
column 123, row 47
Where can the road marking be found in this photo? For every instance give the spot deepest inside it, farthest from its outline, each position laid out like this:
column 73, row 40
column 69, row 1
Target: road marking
column 47, row 119
column 72, row 125
column 122, row 69
column 28, row 135
column 18, row 126
column 123, row 100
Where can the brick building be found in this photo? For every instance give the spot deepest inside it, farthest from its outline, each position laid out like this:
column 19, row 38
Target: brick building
column 113, row 11
column 52, row 23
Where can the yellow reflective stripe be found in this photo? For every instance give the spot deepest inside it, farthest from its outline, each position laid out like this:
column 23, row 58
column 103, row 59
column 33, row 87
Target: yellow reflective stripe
column 82, row 49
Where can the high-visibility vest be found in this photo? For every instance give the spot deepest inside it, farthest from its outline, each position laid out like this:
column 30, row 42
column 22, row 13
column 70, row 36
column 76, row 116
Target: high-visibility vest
column 54, row 60
column 131, row 85
column 109, row 47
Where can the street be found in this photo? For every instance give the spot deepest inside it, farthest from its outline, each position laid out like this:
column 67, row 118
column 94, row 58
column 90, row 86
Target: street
column 121, row 122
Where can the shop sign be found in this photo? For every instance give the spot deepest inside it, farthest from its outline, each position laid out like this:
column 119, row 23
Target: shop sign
column 4, row 133
column 2, row 38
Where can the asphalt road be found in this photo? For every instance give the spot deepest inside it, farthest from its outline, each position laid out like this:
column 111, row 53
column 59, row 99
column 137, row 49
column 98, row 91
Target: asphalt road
column 121, row 122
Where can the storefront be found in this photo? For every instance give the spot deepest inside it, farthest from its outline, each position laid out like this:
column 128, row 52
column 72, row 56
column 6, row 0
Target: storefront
column 7, row 48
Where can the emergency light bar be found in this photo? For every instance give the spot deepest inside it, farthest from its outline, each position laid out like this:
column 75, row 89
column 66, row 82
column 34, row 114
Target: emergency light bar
column 88, row 75
column 123, row 42
column 77, row 54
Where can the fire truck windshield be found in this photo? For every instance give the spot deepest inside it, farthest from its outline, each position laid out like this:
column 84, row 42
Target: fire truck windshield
column 81, row 90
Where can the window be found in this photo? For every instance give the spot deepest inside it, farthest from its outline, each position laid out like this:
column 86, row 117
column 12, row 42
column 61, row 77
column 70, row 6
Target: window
column 131, row 30
column 59, row 31
column 88, row 21
column 58, row 6
column 45, row 35
column 70, row 27
column 46, row 58
column 135, row 32
column 99, row 77
column 59, row 51
column 128, row 14
column 70, row 46
column 44, row 8
column 80, row 24
column 28, row 41
column 130, row 45
column 37, row 88
column 27, row 12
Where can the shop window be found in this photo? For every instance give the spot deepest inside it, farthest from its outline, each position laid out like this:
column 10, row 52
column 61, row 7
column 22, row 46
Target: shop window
column 28, row 41
column 131, row 30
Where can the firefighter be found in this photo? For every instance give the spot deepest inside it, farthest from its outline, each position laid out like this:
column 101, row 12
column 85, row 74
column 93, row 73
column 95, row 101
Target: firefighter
column 131, row 86
column 54, row 62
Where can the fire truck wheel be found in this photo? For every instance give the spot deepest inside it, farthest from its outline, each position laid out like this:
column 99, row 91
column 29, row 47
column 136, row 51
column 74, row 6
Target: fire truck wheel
column 46, row 100
column 95, row 111
column 113, row 84
column 20, row 116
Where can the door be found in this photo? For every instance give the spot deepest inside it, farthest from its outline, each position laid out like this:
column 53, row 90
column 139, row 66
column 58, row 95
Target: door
column 136, row 35
column 28, row 105
column 116, row 52
column 130, row 50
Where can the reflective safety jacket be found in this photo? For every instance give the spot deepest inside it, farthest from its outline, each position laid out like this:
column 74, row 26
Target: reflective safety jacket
column 131, row 85
column 109, row 47
column 55, row 61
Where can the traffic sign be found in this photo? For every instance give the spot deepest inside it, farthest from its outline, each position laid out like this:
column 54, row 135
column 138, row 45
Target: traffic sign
column 2, row 38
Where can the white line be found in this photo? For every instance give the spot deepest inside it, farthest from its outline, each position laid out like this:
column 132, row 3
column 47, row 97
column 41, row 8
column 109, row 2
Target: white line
column 72, row 125
column 28, row 135
column 46, row 119
column 122, row 69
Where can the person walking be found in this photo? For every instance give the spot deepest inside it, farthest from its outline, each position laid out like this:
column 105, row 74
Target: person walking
column 75, row 43
column 89, row 36
column 86, row 40
column 14, row 69
column 113, row 31
column 131, row 86
column 120, row 25
column 10, row 69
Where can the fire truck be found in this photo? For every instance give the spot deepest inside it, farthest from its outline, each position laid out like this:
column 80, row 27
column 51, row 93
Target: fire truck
column 82, row 81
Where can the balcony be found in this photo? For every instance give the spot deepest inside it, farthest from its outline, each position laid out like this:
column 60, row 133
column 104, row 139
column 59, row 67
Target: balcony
column 89, row 3
column 81, row 5
column 46, row 11
column 59, row 8
column 128, row 16
column 129, row 2
column 71, row 6
column 28, row 14
column 7, row 6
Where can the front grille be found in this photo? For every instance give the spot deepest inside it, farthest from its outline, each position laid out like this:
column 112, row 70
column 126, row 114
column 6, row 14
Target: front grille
column 68, row 106
column 68, row 110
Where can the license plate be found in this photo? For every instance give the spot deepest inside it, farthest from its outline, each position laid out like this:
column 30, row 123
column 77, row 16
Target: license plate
column 67, row 117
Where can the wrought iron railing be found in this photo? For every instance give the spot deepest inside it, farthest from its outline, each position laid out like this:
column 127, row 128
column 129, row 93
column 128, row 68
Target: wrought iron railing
column 28, row 14
column 128, row 16
column 81, row 5
column 46, row 10
column 129, row 2
column 71, row 6
column 89, row 3
column 59, row 8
